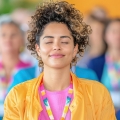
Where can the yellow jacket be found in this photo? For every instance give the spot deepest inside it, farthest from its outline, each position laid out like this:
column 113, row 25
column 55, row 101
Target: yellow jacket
column 91, row 101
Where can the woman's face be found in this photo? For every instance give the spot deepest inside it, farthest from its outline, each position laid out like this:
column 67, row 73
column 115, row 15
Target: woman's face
column 56, row 46
column 11, row 39
column 96, row 36
column 112, row 35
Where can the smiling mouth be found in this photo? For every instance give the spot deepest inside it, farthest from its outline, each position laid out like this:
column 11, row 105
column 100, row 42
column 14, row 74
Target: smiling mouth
column 57, row 56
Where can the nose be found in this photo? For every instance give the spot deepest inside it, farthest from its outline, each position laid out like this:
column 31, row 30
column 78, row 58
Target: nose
column 56, row 46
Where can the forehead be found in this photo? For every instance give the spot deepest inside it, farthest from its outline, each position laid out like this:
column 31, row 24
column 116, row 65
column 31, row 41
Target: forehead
column 10, row 28
column 56, row 28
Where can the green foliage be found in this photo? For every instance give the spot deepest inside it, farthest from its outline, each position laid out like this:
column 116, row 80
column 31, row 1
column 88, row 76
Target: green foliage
column 7, row 6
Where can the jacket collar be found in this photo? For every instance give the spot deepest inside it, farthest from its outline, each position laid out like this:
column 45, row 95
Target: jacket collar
column 78, row 93
column 34, row 103
column 34, row 100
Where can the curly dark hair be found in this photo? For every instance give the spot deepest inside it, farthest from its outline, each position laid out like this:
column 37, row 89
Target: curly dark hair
column 61, row 12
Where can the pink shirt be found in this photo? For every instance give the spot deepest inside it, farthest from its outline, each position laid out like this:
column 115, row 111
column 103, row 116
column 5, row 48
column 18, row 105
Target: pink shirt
column 57, row 102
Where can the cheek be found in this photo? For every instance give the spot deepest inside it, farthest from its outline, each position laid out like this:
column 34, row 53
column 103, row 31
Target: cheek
column 110, row 38
column 44, row 51
column 70, row 52
column 18, row 43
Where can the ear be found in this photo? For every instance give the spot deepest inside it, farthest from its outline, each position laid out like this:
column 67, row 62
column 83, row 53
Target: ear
column 37, row 49
column 75, row 50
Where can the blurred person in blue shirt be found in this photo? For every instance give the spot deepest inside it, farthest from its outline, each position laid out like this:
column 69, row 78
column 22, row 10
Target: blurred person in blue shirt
column 96, row 19
column 107, row 66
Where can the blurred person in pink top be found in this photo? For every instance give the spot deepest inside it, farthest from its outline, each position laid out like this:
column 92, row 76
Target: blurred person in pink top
column 12, row 69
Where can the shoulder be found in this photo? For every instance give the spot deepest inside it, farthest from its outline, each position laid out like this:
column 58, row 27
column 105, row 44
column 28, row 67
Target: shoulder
column 94, row 89
column 87, row 84
column 82, row 82
column 94, row 85
column 25, row 84
column 97, row 98
column 21, row 90
column 24, row 65
column 98, row 59
column 101, row 57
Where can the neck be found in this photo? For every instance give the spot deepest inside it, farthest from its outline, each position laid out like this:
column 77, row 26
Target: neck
column 114, row 54
column 96, row 51
column 9, row 61
column 56, row 79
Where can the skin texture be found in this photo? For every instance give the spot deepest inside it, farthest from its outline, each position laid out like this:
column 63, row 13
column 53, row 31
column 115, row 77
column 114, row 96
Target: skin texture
column 97, row 45
column 10, row 39
column 62, row 22
column 61, row 12
column 57, row 50
column 113, row 35
column 96, row 36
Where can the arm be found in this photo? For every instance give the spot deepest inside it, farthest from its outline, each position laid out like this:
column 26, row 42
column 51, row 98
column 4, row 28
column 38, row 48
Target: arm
column 108, row 111
column 10, row 107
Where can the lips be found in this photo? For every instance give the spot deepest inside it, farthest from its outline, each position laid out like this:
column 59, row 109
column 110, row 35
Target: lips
column 57, row 55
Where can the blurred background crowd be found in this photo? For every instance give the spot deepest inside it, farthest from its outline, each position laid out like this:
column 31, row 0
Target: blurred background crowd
column 100, row 61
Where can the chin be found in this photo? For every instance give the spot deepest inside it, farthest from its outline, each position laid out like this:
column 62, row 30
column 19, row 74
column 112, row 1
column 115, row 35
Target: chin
column 59, row 66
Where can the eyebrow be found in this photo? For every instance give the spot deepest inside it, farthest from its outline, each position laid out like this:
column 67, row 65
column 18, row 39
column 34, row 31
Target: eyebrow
column 48, row 37
column 53, row 37
column 65, row 37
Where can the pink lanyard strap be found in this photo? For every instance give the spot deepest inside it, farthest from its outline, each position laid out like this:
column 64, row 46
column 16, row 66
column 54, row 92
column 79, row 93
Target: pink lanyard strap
column 47, row 105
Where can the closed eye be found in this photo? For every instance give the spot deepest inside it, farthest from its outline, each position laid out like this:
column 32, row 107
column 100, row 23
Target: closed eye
column 48, row 42
column 65, row 42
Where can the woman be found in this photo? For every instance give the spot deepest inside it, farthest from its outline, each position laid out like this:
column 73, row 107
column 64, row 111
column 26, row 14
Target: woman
column 108, row 65
column 57, row 34
column 111, row 72
column 12, row 69
column 96, row 42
